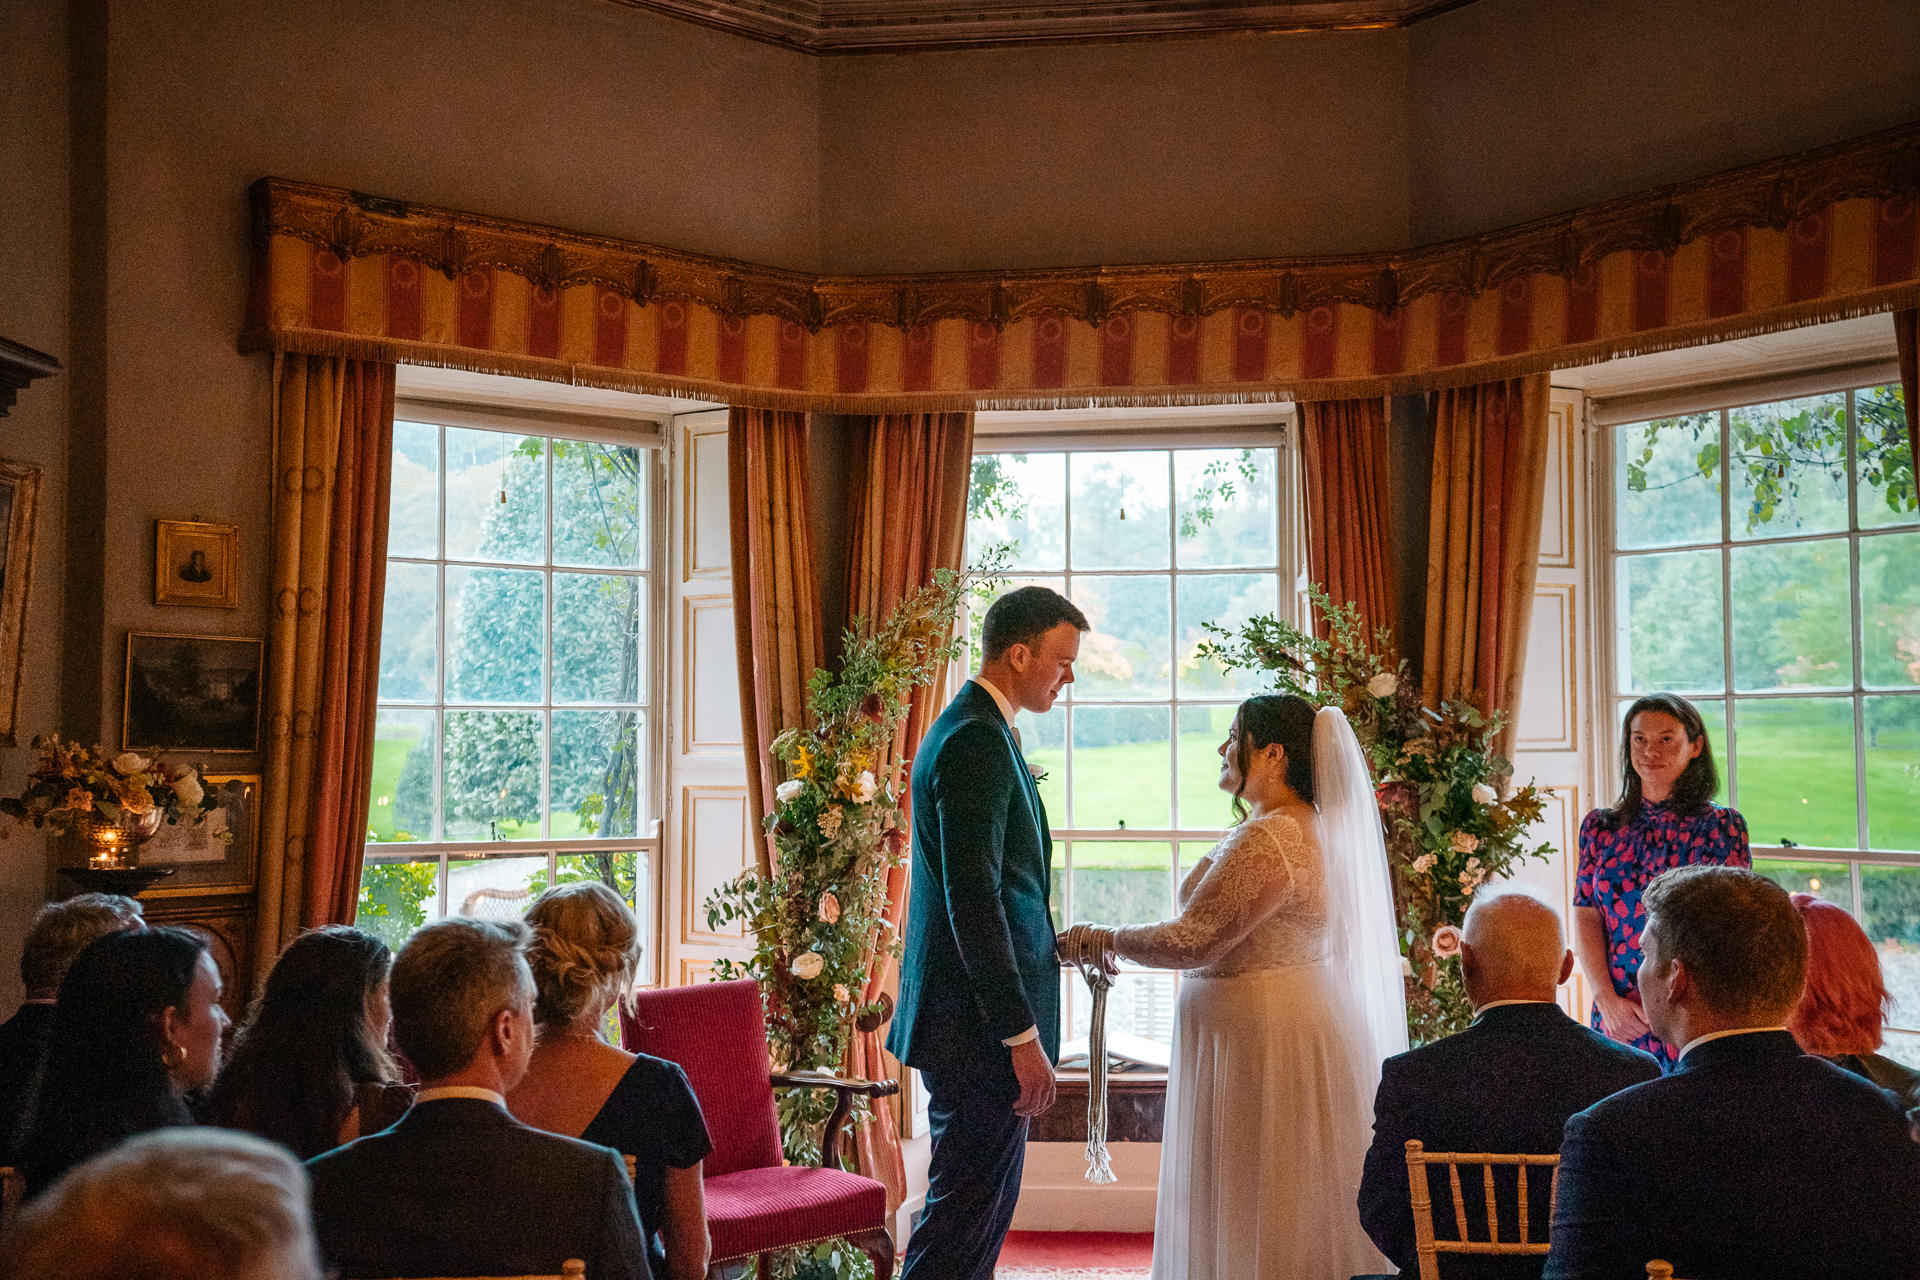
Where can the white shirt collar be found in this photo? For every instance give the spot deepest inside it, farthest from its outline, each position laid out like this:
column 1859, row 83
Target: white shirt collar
column 460, row 1091
column 1496, row 1004
column 1721, row 1035
column 999, row 699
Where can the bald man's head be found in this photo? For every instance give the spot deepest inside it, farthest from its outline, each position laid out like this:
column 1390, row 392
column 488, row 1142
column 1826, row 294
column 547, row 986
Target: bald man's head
column 1513, row 948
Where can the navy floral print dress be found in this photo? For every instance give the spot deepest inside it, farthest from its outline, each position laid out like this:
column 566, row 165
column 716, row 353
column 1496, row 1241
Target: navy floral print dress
column 1617, row 863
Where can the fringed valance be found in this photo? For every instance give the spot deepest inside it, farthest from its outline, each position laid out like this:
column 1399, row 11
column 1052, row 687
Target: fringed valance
column 1817, row 237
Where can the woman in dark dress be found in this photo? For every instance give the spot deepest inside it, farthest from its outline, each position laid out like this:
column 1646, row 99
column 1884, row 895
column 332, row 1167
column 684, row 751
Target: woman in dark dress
column 310, row 1068
column 136, row 1029
column 1843, row 1010
column 1665, row 818
column 586, row 945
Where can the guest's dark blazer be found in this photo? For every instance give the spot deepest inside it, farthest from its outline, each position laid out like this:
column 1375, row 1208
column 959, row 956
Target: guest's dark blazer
column 460, row 1188
column 979, row 964
column 1751, row 1159
column 1507, row 1084
column 23, row 1043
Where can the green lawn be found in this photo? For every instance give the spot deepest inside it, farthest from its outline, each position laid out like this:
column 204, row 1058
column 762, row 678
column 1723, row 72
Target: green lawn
column 1795, row 774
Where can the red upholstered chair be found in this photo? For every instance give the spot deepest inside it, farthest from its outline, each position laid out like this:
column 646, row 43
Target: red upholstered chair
column 717, row 1033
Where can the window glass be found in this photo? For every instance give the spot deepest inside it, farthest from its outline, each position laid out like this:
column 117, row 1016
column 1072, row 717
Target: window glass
column 1893, row 773
column 1792, row 624
column 1883, row 458
column 1667, row 482
column 1789, row 467
column 1793, row 766
column 1890, row 609
column 1830, row 880
column 1670, row 623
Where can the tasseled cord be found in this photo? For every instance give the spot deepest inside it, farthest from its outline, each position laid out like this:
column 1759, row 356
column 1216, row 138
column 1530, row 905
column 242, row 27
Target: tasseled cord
column 1099, row 1164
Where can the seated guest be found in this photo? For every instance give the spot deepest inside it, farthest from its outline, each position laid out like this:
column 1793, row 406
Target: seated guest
column 60, row 932
column 459, row 1187
column 136, row 1028
column 310, row 1068
column 1507, row 1084
column 1751, row 1158
column 1844, row 1008
column 181, row 1202
column 585, row 946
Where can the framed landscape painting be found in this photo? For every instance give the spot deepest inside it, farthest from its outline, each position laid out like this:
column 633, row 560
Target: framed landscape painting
column 192, row 693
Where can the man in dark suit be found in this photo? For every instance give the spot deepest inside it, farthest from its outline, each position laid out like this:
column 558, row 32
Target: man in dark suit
column 459, row 1187
column 60, row 932
column 1507, row 1083
column 1751, row 1158
column 979, row 1010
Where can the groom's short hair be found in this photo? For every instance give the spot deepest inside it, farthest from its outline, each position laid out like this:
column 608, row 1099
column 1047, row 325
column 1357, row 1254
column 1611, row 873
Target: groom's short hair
column 1023, row 616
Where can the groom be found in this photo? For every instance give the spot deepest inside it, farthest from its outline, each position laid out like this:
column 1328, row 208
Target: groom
column 979, row 1010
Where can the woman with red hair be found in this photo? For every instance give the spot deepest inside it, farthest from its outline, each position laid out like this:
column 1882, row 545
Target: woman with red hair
column 1845, row 1004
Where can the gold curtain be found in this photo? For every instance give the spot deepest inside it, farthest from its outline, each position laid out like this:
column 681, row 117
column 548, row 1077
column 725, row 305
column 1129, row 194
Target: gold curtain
column 1906, row 333
column 1343, row 452
column 908, row 506
column 1483, row 542
column 776, row 594
column 332, row 451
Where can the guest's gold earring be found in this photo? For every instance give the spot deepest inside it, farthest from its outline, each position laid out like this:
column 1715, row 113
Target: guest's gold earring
column 174, row 1056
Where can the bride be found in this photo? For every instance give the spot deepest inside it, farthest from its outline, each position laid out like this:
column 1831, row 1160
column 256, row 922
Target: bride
column 1290, row 999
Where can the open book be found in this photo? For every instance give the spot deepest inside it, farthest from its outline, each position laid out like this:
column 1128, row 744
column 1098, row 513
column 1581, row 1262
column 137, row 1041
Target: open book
column 1125, row 1052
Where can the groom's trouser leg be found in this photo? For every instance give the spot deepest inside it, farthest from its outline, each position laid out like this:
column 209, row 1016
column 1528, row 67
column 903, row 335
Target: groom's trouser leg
column 973, row 1182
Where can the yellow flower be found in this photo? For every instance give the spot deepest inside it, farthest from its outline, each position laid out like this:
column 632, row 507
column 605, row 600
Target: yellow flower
column 802, row 762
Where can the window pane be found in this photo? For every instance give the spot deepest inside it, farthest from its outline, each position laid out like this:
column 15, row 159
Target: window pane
column 1057, row 899
column 1789, row 467
column 596, row 637
column 396, row 898
column 1116, row 882
column 1794, row 767
column 492, row 888
column 1122, row 767
column 1227, row 600
column 1141, row 1003
column 482, row 468
column 410, row 634
column 1662, row 495
column 1126, row 655
column 1713, row 715
column 491, row 775
column 1670, row 622
column 618, row 871
column 1883, row 460
column 1022, row 499
column 495, row 623
column 1120, row 510
column 598, row 518
column 1890, row 608
column 1792, row 620
column 1891, row 917
column 401, row 805
column 1830, row 880
column 598, row 784
column 1202, row 803
column 1226, row 508
column 1893, row 776
column 413, row 522
column 1043, row 740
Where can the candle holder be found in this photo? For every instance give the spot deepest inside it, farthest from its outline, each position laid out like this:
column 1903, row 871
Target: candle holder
column 112, row 844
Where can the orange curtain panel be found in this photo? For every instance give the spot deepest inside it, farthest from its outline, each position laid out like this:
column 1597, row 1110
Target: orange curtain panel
column 1343, row 453
column 332, row 451
column 1483, row 542
column 1906, row 330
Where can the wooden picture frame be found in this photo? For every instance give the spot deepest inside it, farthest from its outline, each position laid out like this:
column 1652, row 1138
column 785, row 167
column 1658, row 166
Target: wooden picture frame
column 19, row 506
column 192, row 693
column 203, row 863
column 196, row 564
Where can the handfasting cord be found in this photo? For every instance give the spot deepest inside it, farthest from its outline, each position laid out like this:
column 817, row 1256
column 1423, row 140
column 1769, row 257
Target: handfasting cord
column 1099, row 1164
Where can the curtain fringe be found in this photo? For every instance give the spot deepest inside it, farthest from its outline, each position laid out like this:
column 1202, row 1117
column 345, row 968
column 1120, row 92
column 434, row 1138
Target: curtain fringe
column 1798, row 315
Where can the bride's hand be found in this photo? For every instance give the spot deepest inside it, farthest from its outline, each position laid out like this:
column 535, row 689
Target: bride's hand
column 1088, row 944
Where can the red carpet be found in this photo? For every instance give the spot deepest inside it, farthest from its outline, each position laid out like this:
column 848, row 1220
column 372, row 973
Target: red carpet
column 1075, row 1255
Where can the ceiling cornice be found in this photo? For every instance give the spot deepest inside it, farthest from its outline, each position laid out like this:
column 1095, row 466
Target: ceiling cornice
column 838, row 27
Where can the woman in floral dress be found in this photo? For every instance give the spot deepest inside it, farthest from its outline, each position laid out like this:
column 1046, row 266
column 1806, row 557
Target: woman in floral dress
column 1665, row 818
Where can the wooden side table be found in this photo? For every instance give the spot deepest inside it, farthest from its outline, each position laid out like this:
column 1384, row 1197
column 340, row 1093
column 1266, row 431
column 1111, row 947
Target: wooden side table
column 1136, row 1108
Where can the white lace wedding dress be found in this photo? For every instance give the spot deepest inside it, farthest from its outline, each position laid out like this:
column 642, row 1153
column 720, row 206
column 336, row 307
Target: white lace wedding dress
column 1270, row 1095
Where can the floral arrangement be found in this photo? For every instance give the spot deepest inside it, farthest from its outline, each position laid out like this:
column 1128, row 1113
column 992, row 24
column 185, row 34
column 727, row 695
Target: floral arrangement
column 838, row 830
column 1448, row 829
column 73, row 784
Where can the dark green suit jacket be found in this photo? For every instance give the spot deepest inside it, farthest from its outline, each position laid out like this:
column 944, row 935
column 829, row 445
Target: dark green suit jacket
column 979, row 964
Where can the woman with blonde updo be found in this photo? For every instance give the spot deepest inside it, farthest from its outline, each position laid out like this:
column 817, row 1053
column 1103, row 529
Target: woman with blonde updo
column 586, row 945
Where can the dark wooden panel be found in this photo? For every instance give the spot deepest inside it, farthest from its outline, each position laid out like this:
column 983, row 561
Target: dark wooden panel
column 1136, row 1108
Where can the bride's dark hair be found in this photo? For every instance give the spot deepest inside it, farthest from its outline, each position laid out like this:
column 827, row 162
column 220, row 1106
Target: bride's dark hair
column 1268, row 718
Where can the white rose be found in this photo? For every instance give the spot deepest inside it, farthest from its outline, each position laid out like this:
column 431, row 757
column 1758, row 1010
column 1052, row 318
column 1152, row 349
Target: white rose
column 1484, row 794
column 189, row 790
column 789, row 790
column 840, row 992
column 1383, row 685
column 807, row 965
column 864, row 786
column 1424, row 862
column 130, row 762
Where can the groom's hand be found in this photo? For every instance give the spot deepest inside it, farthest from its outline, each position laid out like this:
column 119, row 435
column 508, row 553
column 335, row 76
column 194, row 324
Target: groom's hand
column 1035, row 1073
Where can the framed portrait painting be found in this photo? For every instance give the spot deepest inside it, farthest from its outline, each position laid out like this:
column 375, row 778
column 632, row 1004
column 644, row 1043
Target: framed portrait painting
column 204, row 858
column 19, row 504
column 196, row 564
column 192, row 693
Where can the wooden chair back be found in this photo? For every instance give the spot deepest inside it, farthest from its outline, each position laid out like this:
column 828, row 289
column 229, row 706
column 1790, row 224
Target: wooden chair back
column 1427, row 1247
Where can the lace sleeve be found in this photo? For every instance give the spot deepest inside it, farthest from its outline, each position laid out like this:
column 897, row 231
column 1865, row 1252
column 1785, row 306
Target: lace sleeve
column 1250, row 878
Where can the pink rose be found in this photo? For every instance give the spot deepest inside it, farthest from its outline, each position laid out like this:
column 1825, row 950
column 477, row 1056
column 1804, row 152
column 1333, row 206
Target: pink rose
column 829, row 908
column 1446, row 942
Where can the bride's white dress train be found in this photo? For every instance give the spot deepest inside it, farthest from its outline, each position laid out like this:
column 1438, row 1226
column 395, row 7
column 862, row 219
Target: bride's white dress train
column 1270, row 1095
